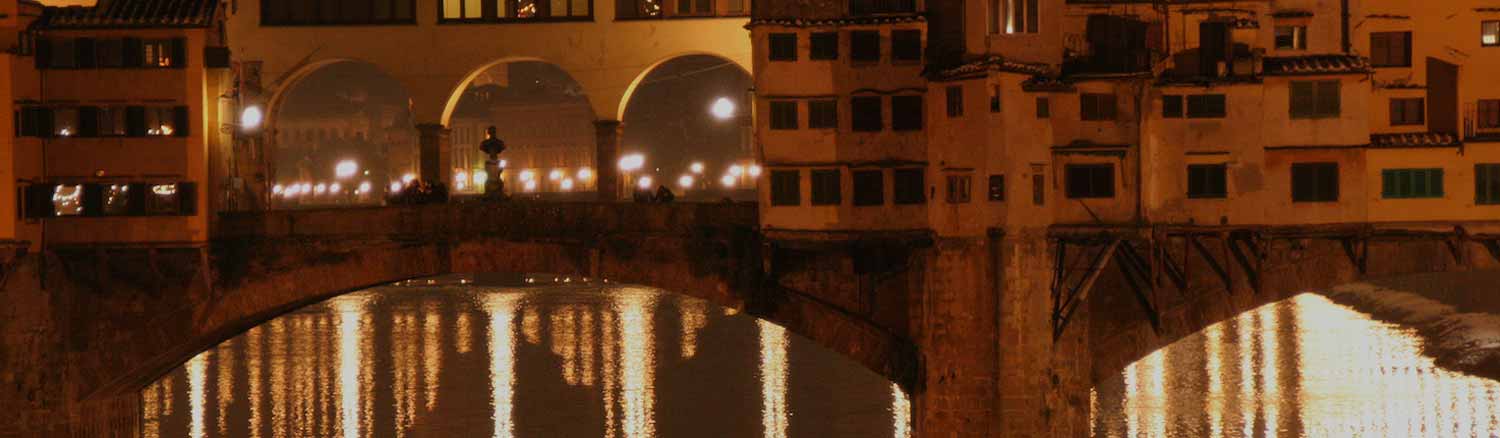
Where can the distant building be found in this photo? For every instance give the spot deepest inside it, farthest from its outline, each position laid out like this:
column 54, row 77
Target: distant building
column 548, row 141
column 115, row 121
column 958, row 117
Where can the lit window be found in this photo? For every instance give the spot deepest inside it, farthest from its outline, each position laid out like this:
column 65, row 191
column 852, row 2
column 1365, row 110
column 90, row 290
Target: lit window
column 1489, row 33
column 959, row 189
column 160, row 121
column 1291, row 37
column 156, row 53
column 65, row 122
column 117, row 199
column 67, row 200
column 1022, row 16
column 162, row 199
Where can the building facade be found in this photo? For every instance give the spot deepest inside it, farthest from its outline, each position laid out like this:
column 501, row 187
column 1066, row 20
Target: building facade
column 114, row 121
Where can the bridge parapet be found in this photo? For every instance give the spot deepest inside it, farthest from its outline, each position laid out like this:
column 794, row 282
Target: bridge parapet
column 532, row 220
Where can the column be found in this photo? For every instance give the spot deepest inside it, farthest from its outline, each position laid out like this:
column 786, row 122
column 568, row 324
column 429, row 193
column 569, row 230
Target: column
column 436, row 153
column 606, row 170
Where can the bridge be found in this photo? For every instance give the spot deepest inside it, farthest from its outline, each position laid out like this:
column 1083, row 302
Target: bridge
column 997, row 335
column 608, row 51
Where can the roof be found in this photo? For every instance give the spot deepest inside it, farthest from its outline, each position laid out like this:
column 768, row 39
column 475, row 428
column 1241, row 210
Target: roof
column 1415, row 139
column 1315, row 65
column 131, row 14
column 839, row 21
column 991, row 63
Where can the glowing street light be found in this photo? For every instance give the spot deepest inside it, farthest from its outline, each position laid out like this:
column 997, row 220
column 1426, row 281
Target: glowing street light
column 696, row 167
column 736, row 170
column 632, row 162
column 527, row 175
column 555, row 175
column 754, row 170
column 251, row 117
column 408, row 178
column 530, row 185
column 335, row 188
column 396, row 186
column 320, row 189
column 727, row 180
column 723, row 108
column 566, row 184
column 346, row 168
column 585, row 173
column 480, row 177
column 364, row 187
column 644, row 183
column 277, row 189
column 685, row 181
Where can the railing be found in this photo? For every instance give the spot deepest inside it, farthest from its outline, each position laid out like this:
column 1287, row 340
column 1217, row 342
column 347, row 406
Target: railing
column 665, row 9
column 867, row 7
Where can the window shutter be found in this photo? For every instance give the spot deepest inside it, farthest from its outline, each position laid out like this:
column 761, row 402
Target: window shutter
column 187, row 194
column 88, row 121
column 1301, row 100
column 179, row 52
column 39, row 200
column 135, row 201
column 45, row 126
column 84, row 49
column 43, row 53
column 135, row 121
column 180, row 121
column 27, row 122
column 1328, row 98
column 133, row 56
column 93, row 200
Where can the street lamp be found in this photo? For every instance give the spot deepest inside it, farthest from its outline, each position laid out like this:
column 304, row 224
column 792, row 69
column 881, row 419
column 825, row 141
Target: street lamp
column 644, row 183
column 727, row 181
column 685, row 181
column 697, row 167
column 251, row 118
column 346, row 168
column 632, row 162
column 722, row 108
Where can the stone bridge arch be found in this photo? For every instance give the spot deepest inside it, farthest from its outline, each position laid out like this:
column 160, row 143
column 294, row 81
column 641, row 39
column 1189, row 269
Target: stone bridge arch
column 743, row 64
column 266, row 264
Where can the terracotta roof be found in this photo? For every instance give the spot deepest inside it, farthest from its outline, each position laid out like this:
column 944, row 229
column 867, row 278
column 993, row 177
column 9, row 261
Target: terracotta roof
column 1416, row 139
column 839, row 21
column 989, row 64
column 1292, row 13
column 1046, row 83
column 132, row 13
column 1315, row 64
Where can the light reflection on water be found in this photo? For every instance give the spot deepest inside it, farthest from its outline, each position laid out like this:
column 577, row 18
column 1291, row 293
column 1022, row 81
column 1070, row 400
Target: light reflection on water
column 1303, row 367
column 574, row 360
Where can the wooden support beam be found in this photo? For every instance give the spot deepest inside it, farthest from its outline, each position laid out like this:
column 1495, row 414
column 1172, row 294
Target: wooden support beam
column 1133, row 268
column 1355, row 249
column 1062, row 311
column 1213, row 264
column 1493, row 247
column 1170, row 267
column 1252, row 271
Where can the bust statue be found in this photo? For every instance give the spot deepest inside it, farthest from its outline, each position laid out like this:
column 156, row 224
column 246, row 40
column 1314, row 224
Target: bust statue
column 494, row 186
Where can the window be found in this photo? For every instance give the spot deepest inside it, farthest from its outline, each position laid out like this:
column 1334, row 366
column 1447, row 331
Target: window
column 825, row 187
column 1207, row 181
column 1487, row 184
column 864, row 46
column 158, row 53
column 67, row 200
column 1489, row 113
column 995, row 99
column 1315, row 182
column 303, row 12
column 1171, row 106
column 786, row 187
column 65, row 122
column 1043, row 108
column 1291, row 37
column 116, row 199
column 1406, row 111
column 737, row 7
column 866, row 115
column 955, row 101
column 1489, row 33
column 1022, row 17
column 1097, row 106
column 109, row 53
column 1090, row 181
column 958, row 188
column 863, row 7
column 1205, row 106
column 164, row 121
column 784, row 114
column 637, row 9
column 111, row 121
column 1038, row 189
column 822, row 114
column 163, row 199
column 908, row 185
column 825, row 45
column 63, row 54
column 1390, row 49
column 869, row 187
column 1411, row 183
column 695, row 7
column 997, row 188
column 783, row 47
column 906, row 113
column 906, row 45
column 1314, row 99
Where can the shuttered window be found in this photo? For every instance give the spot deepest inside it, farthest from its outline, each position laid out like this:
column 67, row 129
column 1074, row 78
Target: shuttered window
column 955, row 101
column 826, row 189
column 783, row 47
column 997, row 188
column 1489, row 114
column 1406, row 111
column 784, row 114
column 1207, row 181
column 822, row 114
column 865, row 113
column 1411, row 183
column 1390, row 49
column 1206, row 106
column 825, row 46
column 786, row 187
column 1090, row 181
column 1096, row 106
column 1171, row 107
column 864, row 46
column 1315, row 182
column 906, row 113
column 869, row 187
column 908, row 186
column 1487, row 184
column 1314, row 99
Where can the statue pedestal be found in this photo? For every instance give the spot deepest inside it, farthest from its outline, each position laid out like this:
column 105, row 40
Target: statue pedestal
column 494, row 185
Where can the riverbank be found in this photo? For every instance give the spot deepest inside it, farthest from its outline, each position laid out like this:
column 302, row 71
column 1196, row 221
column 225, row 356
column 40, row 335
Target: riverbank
column 1456, row 314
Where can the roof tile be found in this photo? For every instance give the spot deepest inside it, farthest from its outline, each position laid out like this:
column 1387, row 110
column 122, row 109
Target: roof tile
column 1315, row 64
column 131, row 13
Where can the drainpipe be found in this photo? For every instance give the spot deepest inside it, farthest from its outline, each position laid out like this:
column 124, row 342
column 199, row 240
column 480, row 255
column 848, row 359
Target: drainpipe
column 1140, row 148
column 1344, row 25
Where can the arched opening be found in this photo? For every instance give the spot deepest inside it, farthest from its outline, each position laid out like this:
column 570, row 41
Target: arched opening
column 521, row 355
column 343, row 135
column 544, row 118
column 687, row 126
column 1302, row 366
